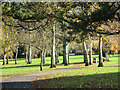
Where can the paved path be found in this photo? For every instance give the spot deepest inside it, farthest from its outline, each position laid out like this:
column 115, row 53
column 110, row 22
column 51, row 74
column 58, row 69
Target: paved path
column 25, row 80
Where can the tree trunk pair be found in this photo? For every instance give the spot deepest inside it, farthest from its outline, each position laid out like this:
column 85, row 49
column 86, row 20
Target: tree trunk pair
column 86, row 54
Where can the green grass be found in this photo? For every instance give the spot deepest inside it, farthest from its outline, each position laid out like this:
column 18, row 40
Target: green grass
column 22, row 68
column 87, row 77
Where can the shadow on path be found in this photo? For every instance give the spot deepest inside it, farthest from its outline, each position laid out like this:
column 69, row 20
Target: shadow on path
column 16, row 84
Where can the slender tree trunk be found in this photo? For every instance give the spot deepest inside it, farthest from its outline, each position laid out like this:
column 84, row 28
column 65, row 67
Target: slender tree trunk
column 26, row 56
column 64, row 46
column 53, row 47
column 29, row 55
column 85, row 54
column 65, row 52
column 66, row 55
column 42, row 56
column 106, row 55
column 57, row 57
column 4, row 59
column 7, row 59
column 90, row 53
column 16, row 55
column 100, row 52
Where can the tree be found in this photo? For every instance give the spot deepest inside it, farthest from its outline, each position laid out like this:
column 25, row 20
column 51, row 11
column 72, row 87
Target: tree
column 100, row 52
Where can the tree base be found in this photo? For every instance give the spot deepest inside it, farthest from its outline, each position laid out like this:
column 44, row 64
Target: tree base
column 40, row 69
column 86, row 64
column 52, row 66
column 100, row 65
column 65, row 64
column 29, row 62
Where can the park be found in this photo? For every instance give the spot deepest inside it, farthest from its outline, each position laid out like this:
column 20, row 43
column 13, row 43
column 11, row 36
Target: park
column 60, row 45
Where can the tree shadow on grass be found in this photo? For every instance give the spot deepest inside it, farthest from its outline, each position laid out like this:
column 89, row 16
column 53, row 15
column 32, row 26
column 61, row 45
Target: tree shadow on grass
column 36, row 65
column 107, row 80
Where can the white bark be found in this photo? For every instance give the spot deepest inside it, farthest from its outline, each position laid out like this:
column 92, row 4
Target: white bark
column 86, row 54
column 90, row 53
column 53, row 47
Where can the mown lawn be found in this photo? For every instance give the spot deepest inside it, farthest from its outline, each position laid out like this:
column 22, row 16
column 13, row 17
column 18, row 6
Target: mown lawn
column 86, row 77
column 22, row 68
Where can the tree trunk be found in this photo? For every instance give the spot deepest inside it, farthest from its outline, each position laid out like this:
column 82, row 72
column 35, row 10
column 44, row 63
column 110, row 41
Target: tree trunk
column 64, row 46
column 29, row 55
column 57, row 57
column 100, row 52
column 16, row 55
column 85, row 54
column 26, row 57
column 7, row 59
column 4, row 59
column 53, row 48
column 90, row 54
column 66, row 53
column 68, row 57
column 106, row 55
column 42, row 56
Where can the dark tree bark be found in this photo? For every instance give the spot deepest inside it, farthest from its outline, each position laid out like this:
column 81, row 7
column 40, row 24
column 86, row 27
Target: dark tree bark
column 42, row 56
column 100, row 52
column 85, row 54
column 7, row 59
column 53, row 48
column 26, row 56
column 90, row 54
column 16, row 55
column 63, row 54
column 68, row 57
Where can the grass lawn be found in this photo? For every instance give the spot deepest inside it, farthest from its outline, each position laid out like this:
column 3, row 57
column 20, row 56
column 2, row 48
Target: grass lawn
column 87, row 77
column 22, row 68
column 93, row 77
